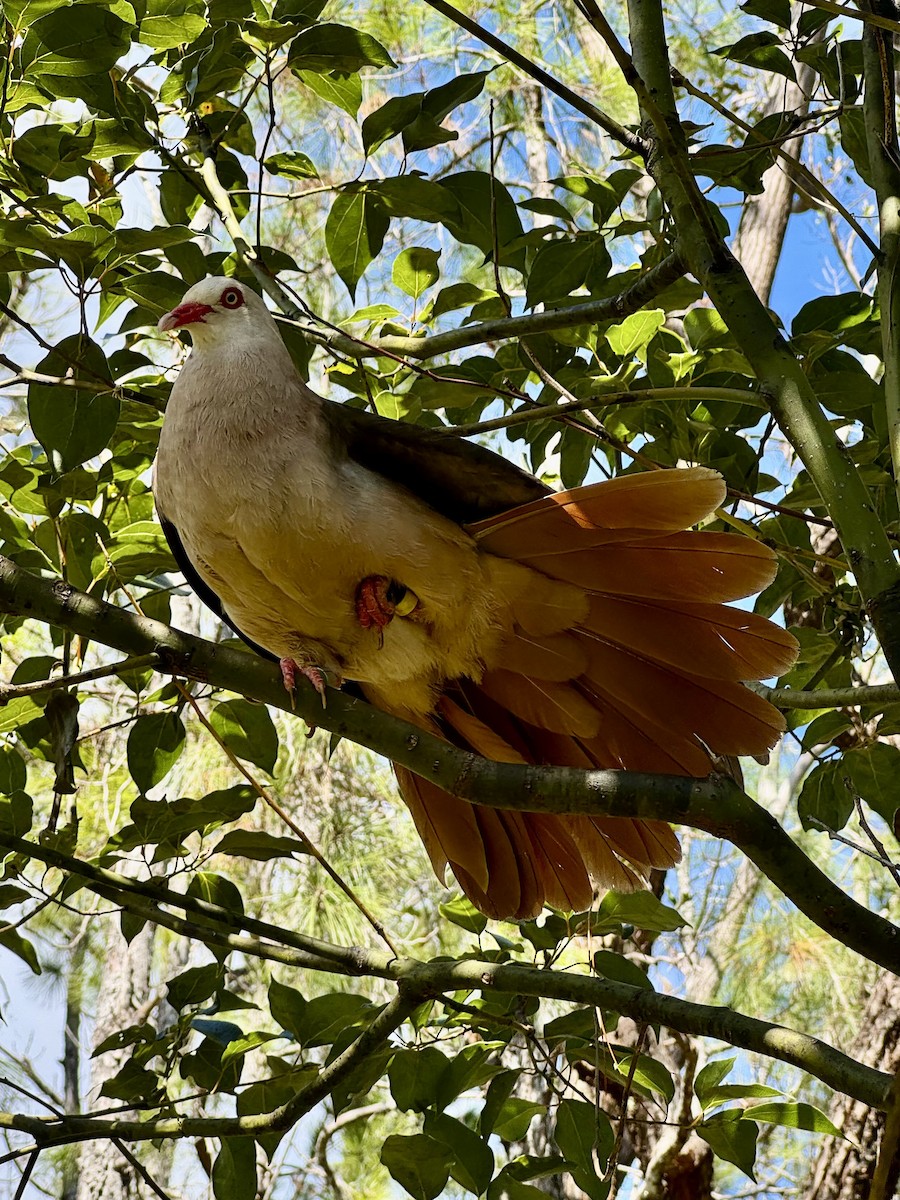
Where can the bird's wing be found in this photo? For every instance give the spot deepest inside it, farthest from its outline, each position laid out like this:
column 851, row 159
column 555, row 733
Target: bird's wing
column 199, row 584
column 461, row 480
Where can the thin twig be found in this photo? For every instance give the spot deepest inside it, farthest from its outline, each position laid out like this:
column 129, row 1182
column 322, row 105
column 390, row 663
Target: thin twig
column 625, row 136
column 309, row 847
column 13, row 691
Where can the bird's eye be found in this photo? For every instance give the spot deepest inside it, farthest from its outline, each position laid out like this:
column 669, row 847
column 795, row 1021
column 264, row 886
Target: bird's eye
column 231, row 298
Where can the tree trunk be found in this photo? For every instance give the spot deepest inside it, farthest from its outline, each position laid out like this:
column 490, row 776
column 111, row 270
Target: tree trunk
column 760, row 236
column 104, row 1174
column 71, row 1055
column 844, row 1169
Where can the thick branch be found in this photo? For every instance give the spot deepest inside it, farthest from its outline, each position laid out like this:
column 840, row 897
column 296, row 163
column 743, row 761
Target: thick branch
column 715, row 805
column 875, row 693
column 879, row 109
column 592, row 312
column 792, row 400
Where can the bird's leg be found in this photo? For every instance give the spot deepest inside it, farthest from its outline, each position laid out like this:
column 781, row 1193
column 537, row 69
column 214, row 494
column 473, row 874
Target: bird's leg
column 291, row 669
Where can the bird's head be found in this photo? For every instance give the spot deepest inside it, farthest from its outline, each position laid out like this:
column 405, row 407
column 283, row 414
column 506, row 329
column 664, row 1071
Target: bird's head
column 220, row 311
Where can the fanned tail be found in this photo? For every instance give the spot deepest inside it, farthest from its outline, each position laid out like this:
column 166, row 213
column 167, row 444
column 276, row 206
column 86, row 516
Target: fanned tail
column 650, row 679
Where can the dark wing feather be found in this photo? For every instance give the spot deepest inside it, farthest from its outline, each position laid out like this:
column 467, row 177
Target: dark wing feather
column 459, row 479
column 201, row 587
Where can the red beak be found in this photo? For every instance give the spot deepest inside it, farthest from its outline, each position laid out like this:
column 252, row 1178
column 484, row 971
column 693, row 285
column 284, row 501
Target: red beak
column 184, row 314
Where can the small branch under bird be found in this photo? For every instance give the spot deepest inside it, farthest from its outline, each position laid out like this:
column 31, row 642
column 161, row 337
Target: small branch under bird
column 587, row 628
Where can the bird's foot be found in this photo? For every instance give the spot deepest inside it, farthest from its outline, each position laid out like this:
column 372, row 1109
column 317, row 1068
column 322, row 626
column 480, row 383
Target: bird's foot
column 290, row 672
column 374, row 605
column 379, row 600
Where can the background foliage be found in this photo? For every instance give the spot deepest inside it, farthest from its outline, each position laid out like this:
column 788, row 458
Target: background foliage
column 255, row 986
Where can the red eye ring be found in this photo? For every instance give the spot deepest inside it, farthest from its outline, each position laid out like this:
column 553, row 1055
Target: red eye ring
column 231, row 298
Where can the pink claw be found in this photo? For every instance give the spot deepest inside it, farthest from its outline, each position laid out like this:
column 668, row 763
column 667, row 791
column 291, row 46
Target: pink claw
column 291, row 670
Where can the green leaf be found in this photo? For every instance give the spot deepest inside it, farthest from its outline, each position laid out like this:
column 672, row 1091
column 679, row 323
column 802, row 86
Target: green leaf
column 848, row 393
column 326, row 1017
column 12, row 940
column 390, row 119
column 164, row 31
column 418, row 1163
column 255, row 844
column 13, row 772
column 458, row 295
column 709, row 1077
column 874, row 771
column 832, row 314
column 483, row 202
column 345, row 91
column 793, row 1115
column 760, row 50
column 732, row 1138
column 288, row 1007
column 245, row 1043
column 292, row 165
column 648, row 1072
column 16, row 814
column 635, row 333
column 515, row 1116
column 217, row 808
column 582, row 1129
column 439, row 102
column 415, row 1076
column 563, row 266
column 741, row 1091
column 18, row 712
column 471, row 1066
column 825, row 728
column 623, row 970
column 823, row 799
column 417, row 198
column 331, row 47
column 605, row 195
column 155, row 744
column 248, row 731
column 215, row 889
column 194, row 985
column 64, row 44
column 234, row 1171
column 461, row 911
column 641, row 909
column 472, row 1165
column 778, row 12
column 501, row 1088
column 73, row 424
column 298, row 12
column 138, row 549
column 354, row 233
column 415, row 270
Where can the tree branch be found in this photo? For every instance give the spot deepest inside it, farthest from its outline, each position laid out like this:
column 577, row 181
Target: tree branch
column 792, row 401
column 626, row 137
column 879, row 111
column 876, row 693
column 59, row 1131
column 433, row 979
column 538, row 412
column 715, row 805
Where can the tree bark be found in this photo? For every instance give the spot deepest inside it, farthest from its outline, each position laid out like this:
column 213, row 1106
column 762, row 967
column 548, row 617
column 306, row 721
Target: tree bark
column 844, row 1169
column 760, row 235
column 104, row 1174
